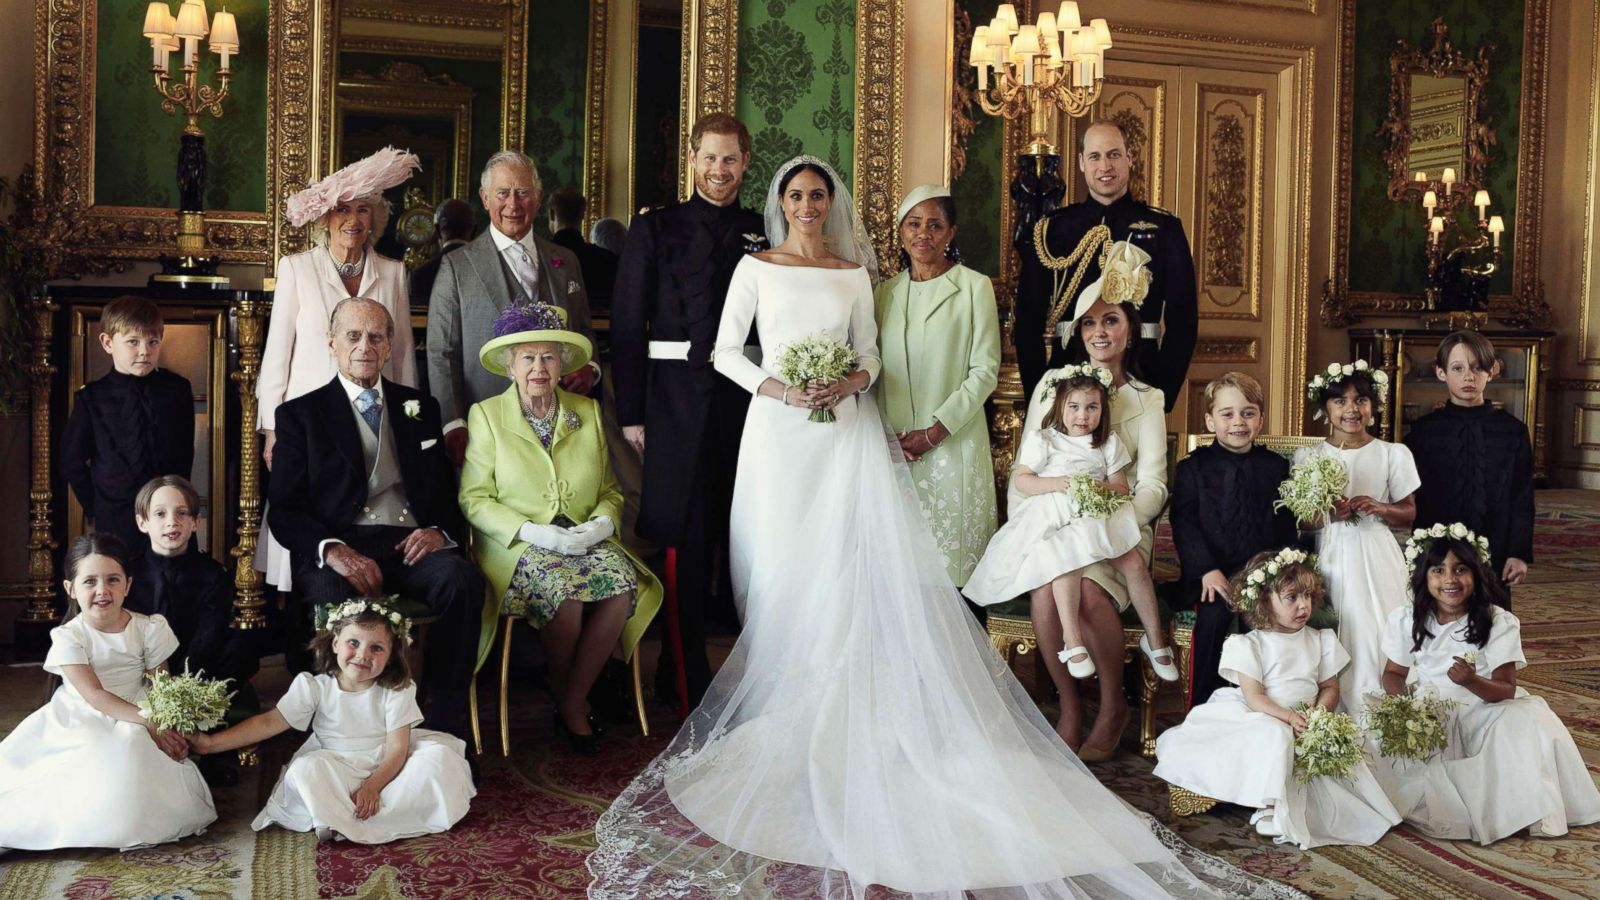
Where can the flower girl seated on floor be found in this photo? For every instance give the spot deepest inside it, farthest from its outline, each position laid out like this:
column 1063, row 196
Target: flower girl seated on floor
column 1508, row 763
column 366, row 773
column 1239, row 746
column 86, row 769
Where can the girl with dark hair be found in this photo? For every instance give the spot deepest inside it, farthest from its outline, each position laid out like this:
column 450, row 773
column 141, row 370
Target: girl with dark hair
column 87, row 769
column 1510, row 764
column 1356, row 551
column 367, row 773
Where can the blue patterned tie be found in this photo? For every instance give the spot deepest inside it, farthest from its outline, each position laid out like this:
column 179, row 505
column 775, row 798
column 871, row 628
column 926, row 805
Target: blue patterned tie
column 371, row 408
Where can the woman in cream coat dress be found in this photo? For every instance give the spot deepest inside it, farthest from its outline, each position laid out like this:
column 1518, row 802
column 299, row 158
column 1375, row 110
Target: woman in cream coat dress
column 1105, row 333
column 346, row 212
column 939, row 334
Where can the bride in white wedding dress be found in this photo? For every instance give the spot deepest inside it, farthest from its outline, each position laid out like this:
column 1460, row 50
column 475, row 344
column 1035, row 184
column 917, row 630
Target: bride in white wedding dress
column 863, row 739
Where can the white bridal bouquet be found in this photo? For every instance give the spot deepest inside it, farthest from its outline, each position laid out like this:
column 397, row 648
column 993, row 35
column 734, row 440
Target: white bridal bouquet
column 1093, row 499
column 1408, row 726
column 1330, row 745
column 185, row 702
column 816, row 358
column 1312, row 488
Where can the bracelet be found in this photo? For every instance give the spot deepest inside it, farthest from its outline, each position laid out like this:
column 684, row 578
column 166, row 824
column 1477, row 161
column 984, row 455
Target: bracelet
column 785, row 397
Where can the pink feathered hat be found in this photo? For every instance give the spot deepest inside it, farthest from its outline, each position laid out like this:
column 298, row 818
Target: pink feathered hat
column 373, row 175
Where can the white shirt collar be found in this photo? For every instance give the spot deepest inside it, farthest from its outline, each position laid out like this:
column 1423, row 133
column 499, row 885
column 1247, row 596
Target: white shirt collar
column 501, row 243
column 353, row 390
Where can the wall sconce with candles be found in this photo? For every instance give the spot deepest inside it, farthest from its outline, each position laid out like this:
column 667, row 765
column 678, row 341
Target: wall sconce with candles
column 167, row 34
column 1055, row 65
column 1458, row 275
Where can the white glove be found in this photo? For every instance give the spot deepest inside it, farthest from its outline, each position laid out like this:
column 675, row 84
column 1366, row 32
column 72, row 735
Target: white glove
column 594, row 531
column 553, row 537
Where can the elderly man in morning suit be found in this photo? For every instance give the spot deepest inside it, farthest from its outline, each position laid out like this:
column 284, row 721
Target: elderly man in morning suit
column 506, row 264
column 365, row 500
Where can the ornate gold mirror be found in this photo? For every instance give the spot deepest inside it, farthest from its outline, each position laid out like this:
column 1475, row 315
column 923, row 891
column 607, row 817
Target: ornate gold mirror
column 1437, row 130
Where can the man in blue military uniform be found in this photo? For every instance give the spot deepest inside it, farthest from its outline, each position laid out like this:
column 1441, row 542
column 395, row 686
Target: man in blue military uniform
column 1064, row 257
column 665, row 312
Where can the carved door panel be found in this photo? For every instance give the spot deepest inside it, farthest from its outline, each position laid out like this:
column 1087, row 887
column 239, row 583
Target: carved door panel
column 1208, row 146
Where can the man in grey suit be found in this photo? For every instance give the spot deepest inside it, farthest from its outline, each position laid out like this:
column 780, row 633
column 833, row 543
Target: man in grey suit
column 506, row 264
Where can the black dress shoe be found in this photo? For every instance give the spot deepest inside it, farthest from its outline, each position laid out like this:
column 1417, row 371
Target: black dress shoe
column 581, row 744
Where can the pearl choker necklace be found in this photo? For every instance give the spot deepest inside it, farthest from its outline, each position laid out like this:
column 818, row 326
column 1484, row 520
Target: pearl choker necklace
column 349, row 270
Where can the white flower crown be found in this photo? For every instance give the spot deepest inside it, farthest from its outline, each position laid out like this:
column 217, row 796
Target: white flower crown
column 1255, row 581
column 352, row 608
column 1337, row 372
column 1421, row 538
column 1083, row 370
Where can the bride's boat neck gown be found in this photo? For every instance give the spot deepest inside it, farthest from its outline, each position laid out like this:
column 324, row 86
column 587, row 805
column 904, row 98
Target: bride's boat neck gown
column 863, row 738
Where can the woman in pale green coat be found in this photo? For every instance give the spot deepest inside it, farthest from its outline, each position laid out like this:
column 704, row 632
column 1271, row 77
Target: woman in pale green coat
column 538, row 489
column 939, row 333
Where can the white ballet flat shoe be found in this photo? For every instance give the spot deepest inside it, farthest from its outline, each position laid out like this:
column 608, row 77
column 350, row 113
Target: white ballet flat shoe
column 1267, row 826
column 1164, row 670
column 1081, row 669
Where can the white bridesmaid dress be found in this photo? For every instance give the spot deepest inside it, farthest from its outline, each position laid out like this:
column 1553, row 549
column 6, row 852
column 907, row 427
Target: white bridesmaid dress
column 348, row 730
column 72, row 776
column 1509, row 765
column 1227, row 751
column 1362, row 563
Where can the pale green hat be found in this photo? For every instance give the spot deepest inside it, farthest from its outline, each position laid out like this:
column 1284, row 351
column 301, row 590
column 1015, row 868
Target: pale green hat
column 534, row 323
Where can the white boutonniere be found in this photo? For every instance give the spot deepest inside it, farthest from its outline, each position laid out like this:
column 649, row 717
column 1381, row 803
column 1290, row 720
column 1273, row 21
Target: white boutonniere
column 572, row 287
column 413, row 409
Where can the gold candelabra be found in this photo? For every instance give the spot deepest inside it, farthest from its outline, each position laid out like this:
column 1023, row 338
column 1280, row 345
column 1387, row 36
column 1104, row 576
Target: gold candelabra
column 185, row 95
column 1455, row 283
column 1055, row 65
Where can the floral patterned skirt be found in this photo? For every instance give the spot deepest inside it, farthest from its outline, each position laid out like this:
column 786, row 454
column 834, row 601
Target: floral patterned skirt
column 544, row 579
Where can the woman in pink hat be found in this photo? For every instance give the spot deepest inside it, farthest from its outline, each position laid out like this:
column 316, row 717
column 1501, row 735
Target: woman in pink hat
column 346, row 213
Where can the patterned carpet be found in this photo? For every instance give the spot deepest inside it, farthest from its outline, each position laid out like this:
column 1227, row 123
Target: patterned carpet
column 531, row 825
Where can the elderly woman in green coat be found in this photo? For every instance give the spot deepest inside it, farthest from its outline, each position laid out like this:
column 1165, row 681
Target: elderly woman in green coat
column 538, row 489
column 940, row 337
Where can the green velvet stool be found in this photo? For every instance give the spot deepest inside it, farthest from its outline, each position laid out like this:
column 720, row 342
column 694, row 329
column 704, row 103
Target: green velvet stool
column 1011, row 632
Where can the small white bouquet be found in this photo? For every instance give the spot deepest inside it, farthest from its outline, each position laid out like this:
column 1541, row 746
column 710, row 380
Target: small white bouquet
column 1312, row 488
column 1093, row 499
column 1330, row 745
column 1407, row 726
column 816, row 358
column 185, row 702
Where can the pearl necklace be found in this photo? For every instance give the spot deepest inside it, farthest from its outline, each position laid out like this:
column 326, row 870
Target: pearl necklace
column 349, row 270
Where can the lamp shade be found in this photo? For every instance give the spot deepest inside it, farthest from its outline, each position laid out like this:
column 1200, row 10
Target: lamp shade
column 1436, row 225
column 1102, row 33
column 191, row 20
column 1067, row 18
column 1007, row 14
column 1430, row 199
column 998, row 35
column 172, row 44
column 1497, row 225
column 979, row 55
column 224, row 33
column 1047, row 24
column 1481, row 198
column 158, row 21
column 1027, row 42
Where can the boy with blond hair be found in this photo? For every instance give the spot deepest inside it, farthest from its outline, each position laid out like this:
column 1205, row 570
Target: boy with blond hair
column 133, row 424
column 1222, row 515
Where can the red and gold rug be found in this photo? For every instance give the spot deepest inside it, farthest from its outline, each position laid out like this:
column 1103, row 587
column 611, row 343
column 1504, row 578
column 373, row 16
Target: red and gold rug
column 531, row 824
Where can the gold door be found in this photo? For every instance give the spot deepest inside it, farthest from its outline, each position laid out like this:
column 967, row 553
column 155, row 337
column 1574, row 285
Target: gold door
column 1209, row 146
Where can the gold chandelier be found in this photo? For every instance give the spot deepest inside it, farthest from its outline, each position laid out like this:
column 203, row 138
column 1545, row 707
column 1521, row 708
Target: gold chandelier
column 1055, row 64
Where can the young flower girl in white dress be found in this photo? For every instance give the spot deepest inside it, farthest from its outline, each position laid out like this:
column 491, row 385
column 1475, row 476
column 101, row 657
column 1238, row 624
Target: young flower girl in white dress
column 1049, row 539
column 1510, row 764
column 1356, row 551
column 86, row 769
column 1238, row 746
column 366, row 773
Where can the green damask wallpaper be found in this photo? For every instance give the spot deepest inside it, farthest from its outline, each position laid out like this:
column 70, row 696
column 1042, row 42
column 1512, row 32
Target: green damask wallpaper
column 978, row 190
column 558, row 39
column 797, row 86
column 136, row 144
column 1386, row 238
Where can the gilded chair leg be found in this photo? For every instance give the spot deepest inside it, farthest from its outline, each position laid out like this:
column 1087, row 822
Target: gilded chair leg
column 1188, row 803
column 1148, row 686
column 472, row 709
column 638, row 695
column 505, row 690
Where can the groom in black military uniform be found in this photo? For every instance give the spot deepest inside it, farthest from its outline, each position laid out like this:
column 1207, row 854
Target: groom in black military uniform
column 683, row 418
column 1163, row 352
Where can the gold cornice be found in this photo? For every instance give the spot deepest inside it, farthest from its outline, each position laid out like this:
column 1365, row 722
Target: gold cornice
column 1525, row 306
column 880, row 123
column 408, row 47
column 459, row 14
column 594, row 113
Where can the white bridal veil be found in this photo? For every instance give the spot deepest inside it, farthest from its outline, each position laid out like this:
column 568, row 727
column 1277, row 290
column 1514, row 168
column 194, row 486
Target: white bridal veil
column 845, row 234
